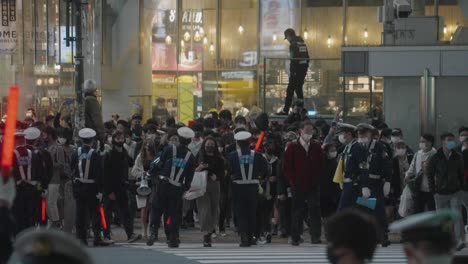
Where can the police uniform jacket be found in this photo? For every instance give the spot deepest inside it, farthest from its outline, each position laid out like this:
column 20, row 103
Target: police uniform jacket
column 354, row 164
column 32, row 165
column 170, row 164
column 297, row 51
column 380, row 163
column 248, row 157
column 78, row 164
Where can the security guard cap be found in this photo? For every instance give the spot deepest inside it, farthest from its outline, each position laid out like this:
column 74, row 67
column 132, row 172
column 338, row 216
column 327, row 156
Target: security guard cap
column 87, row 133
column 186, row 132
column 429, row 226
column 343, row 127
column 32, row 133
column 289, row 32
column 242, row 135
column 363, row 127
column 48, row 246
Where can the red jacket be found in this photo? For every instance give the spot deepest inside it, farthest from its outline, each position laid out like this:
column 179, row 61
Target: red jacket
column 301, row 168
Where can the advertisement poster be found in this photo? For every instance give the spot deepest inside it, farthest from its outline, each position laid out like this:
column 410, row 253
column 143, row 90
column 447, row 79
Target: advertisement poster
column 66, row 53
column 276, row 16
column 8, row 33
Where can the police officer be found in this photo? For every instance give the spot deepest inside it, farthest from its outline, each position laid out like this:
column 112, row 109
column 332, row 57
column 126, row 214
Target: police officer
column 246, row 169
column 31, row 171
column 428, row 237
column 299, row 56
column 87, row 186
column 379, row 165
column 176, row 167
column 48, row 246
column 355, row 171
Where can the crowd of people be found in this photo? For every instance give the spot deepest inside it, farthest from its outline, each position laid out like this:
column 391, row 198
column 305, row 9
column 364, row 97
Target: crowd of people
column 302, row 171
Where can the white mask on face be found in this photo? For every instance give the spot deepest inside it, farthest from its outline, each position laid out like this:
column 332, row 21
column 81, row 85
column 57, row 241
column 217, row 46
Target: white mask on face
column 306, row 137
column 220, row 149
column 422, row 146
column 463, row 138
column 332, row 154
column 61, row 140
column 342, row 139
column 109, row 140
column 400, row 152
column 395, row 139
column 363, row 141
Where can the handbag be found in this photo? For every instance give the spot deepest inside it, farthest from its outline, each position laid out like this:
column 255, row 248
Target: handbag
column 199, row 181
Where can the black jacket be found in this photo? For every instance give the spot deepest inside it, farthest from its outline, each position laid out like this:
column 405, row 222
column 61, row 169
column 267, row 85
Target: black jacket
column 299, row 54
column 446, row 176
column 116, row 165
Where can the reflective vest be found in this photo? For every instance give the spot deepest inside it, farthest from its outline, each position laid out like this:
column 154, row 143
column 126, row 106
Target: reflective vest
column 177, row 163
column 25, row 161
column 84, row 176
column 246, row 160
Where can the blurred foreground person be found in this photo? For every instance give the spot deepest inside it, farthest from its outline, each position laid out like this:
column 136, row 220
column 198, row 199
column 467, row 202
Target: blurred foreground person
column 428, row 236
column 354, row 245
column 48, row 247
column 7, row 195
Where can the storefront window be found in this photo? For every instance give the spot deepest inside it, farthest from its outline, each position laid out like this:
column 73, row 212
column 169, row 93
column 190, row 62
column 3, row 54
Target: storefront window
column 322, row 29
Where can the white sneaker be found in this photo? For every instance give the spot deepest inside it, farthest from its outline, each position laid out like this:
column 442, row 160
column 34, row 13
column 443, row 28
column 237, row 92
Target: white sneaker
column 223, row 234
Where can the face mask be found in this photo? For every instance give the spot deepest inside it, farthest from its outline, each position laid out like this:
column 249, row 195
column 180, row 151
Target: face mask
column 209, row 149
column 61, row 141
column 238, row 105
column 363, row 141
column 117, row 144
column 422, row 146
column 463, row 138
column 401, row 152
column 451, row 144
column 342, row 139
column 239, row 125
column 395, row 139
column 220, row 149
column 332, row 154
column 463, row 148
column 307, row 137
column 109, row 140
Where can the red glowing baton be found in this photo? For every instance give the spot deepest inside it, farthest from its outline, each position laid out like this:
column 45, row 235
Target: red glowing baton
column 9, row 138
column 259, row 141
column 43, row 210
column 103, row 217
column 168, row 221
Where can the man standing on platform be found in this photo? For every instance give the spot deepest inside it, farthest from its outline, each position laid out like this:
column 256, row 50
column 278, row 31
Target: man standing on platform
column 299, row 56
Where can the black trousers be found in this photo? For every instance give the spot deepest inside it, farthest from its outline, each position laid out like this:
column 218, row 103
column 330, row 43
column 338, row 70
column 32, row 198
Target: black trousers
column 296, row 81
column 87, row 207
column 224, row 205
column 424, row 200
column 245, row 205
column 120, row 204
column 26, row 207
column 302, row 203
column 264, row 215
column 168, row 201
column 285, row 216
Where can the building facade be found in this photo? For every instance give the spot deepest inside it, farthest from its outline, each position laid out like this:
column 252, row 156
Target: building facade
column 193, row 56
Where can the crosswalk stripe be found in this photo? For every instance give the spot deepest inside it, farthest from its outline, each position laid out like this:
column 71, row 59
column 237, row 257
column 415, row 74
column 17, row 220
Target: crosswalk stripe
column 231, row 253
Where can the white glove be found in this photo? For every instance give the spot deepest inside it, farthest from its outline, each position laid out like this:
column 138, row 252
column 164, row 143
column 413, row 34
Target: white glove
column 44, row 193
column 365, row 193
column 7, row 191
column 386, row 189
column 99, row 197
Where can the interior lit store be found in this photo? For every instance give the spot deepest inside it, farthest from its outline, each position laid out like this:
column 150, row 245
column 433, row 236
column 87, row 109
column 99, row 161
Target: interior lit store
column 193, row 56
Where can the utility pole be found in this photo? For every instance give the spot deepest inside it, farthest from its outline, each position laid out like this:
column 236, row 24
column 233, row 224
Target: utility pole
column 76, row 8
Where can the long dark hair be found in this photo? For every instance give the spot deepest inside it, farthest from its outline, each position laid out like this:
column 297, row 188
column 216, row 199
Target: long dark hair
column 202, row 153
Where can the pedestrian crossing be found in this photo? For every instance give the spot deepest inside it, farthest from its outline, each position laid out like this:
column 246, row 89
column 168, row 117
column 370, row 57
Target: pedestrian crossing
column 230, row 253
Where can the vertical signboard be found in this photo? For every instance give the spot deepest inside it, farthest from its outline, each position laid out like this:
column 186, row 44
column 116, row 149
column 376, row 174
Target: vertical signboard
column 8, row 33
